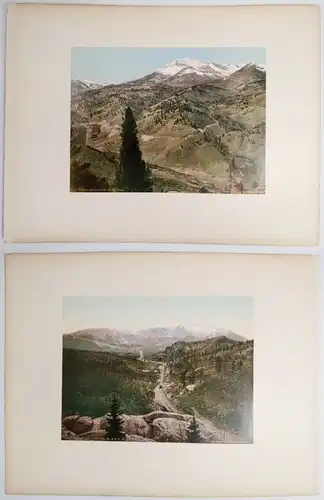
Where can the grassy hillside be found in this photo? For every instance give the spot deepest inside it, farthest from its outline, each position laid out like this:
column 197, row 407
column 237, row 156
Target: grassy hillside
column 89, row 379
column 214, row 376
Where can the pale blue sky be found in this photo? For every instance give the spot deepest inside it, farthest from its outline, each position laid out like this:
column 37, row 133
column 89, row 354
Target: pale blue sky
column 134, row 313
column 120, row 64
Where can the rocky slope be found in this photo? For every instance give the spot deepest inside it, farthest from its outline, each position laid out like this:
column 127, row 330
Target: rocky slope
column 213, row 376
column 157, row 426
column 193, row 120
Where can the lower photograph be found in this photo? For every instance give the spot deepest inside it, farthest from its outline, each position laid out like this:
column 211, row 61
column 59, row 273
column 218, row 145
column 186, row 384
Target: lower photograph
column 169, row 369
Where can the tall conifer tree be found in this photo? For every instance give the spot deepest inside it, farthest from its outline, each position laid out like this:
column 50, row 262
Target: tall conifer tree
column 114, row 429
column 133, row 174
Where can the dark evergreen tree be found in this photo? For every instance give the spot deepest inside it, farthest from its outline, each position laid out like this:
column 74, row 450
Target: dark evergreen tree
column 193, row 434
column 114, row 429
column 133, row 174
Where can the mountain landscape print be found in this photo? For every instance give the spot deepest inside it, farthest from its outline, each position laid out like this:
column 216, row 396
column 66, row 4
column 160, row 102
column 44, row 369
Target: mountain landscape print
column 165, row 120
column 158, row 369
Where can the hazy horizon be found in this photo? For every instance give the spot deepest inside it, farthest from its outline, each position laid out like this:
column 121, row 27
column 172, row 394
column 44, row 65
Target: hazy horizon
column 120, row 64
column 138, row 313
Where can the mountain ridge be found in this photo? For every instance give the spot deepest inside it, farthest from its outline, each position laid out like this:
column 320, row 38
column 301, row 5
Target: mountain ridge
column 149, row 340
column 211, row 69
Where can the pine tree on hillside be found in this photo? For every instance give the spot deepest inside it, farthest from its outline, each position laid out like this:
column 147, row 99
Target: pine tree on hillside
column 133, row 174
column 114, row 429
column 193, row 434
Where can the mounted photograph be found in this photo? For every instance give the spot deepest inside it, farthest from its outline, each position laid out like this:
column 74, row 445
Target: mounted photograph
column 184, row 120
column 172, row 369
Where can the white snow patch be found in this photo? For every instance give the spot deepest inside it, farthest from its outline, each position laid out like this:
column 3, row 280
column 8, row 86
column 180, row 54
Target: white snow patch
column 192, row 66
column 92, row 83
column 87, row 84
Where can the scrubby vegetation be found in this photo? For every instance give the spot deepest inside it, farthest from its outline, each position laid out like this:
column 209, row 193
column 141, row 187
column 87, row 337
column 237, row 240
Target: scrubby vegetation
column 90, row 378
column 214, row 376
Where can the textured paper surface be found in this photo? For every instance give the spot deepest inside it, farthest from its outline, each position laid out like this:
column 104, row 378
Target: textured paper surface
column 38, row 204
column 283, row 458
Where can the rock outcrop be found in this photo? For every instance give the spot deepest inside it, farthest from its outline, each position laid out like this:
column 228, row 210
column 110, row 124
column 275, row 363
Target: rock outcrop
column 132, row 437
column 150, row 417
column 157, row 426
column 77, row 424
column 169, row 430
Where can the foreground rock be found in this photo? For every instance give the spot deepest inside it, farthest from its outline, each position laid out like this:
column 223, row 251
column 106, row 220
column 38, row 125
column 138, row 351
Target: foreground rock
column 77, row 424
column 169, row 430
column 96, row 435
column 136, row 426
column 158, row 426
column 67, row 435
column 132, row 425
column 132, row 437
column 150, row 417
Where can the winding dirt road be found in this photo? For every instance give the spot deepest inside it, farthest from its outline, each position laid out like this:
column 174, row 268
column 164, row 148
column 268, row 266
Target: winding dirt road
column 160, row 397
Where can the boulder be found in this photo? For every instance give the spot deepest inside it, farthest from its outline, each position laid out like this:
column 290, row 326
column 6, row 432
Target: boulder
column 78, row 424
column 96, row 435
column 101, row 422
column 169, row 430
column 98, row 424
column 67, row 435
column 69, row 422
column 150, row 417
column 136, row 425
column 83, row 424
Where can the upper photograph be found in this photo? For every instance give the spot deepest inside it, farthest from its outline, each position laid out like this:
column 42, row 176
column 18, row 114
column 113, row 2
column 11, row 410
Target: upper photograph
column 187, row 120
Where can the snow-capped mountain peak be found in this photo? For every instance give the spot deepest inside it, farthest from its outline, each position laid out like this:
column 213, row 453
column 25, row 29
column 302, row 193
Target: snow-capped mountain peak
column 88, row 84
column 93, row 84
column 188, row 66
column 80, row 86
column 174, row 67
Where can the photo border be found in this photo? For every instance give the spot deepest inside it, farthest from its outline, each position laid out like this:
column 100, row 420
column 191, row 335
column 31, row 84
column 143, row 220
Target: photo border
column 7, row 248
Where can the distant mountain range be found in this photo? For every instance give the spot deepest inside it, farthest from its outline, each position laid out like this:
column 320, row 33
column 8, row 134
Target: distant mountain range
column 193, row 118
column 180, row 68
column 148, row 341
